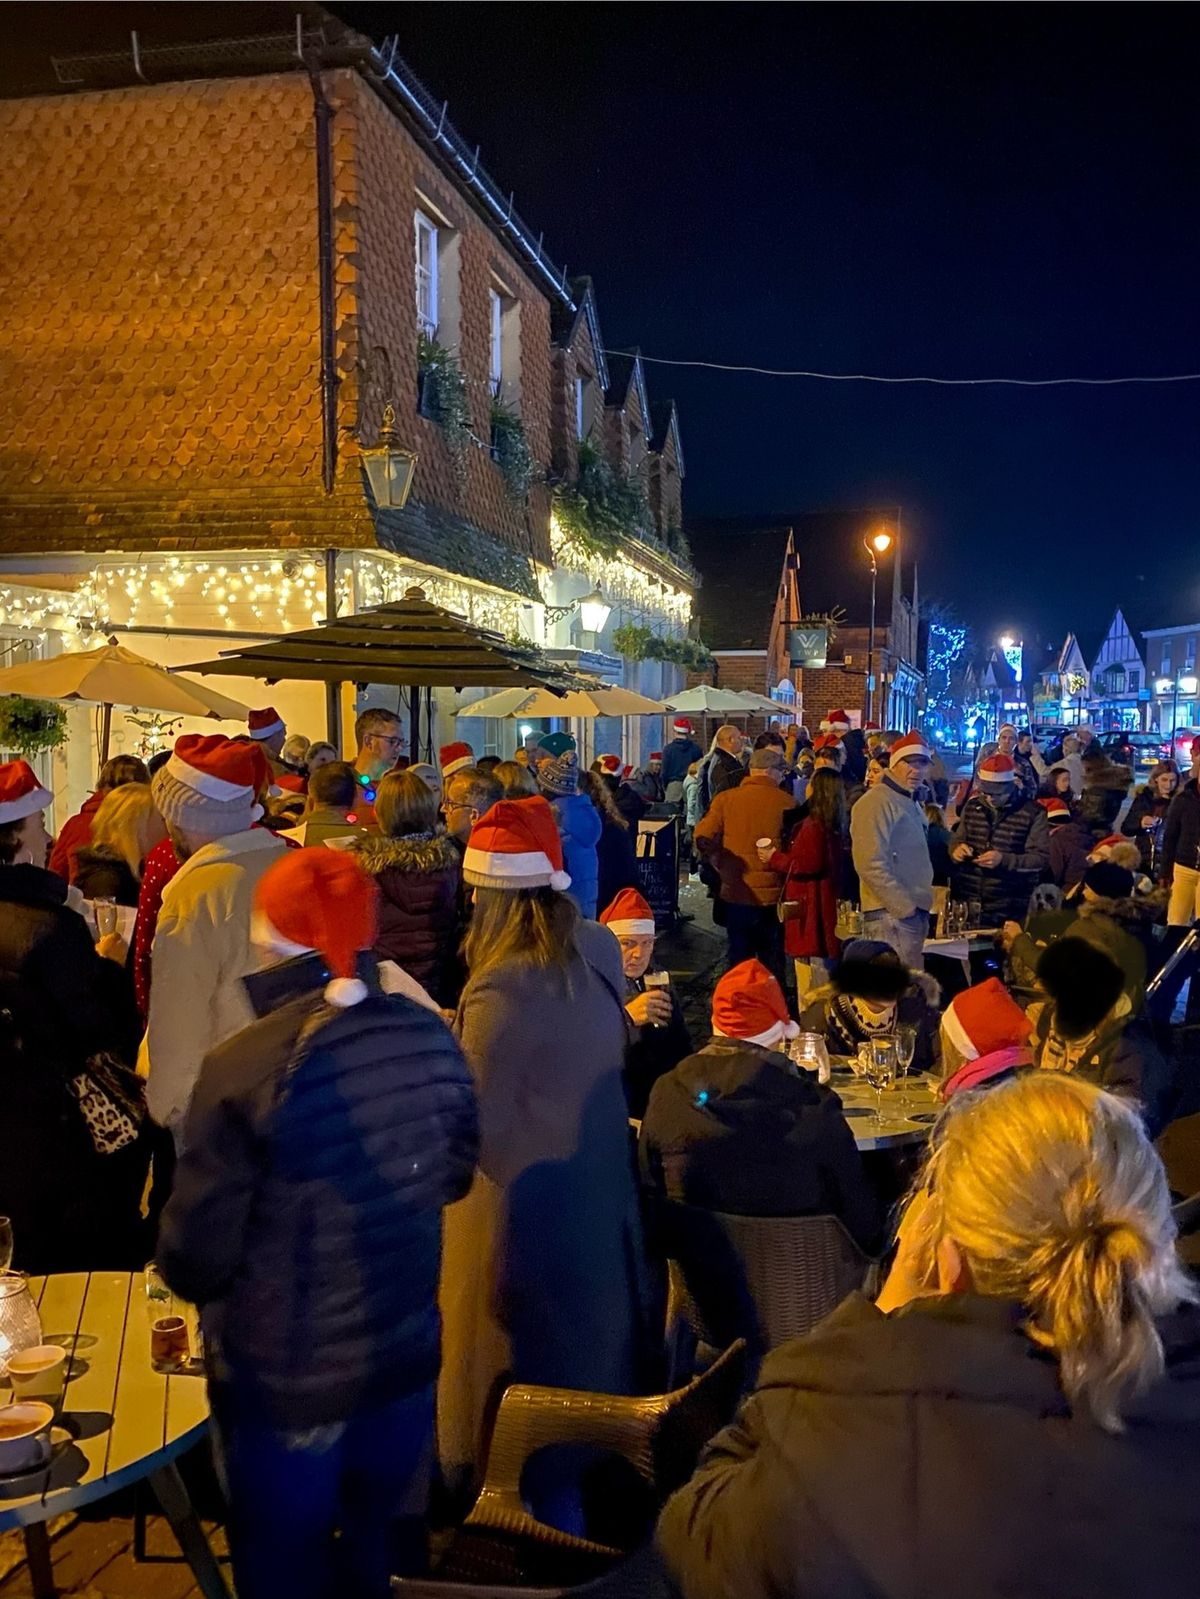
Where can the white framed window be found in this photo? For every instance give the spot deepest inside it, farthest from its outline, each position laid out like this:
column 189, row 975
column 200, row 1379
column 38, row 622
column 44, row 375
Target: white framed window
column 580, row 406
column 427, row 273
column 495, row 341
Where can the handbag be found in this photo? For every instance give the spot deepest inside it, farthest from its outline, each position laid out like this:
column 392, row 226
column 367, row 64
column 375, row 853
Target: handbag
column 112, row 1102
column 791, row 910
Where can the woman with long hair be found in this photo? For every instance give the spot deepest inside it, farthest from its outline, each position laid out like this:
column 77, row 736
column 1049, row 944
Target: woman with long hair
column 540, row 1275
column 515, row 778
column 1016, row 1414
column 417, row 869
column 812, row 866
column 124, row 831
column 616, row 863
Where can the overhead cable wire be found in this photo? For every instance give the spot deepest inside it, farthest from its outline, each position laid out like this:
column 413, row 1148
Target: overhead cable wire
column 950, row 383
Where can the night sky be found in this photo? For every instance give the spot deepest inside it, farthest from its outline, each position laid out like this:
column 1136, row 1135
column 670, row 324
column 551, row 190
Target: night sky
column 956, row 190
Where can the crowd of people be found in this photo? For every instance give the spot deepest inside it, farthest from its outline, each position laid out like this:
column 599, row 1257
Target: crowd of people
column 396, row 1027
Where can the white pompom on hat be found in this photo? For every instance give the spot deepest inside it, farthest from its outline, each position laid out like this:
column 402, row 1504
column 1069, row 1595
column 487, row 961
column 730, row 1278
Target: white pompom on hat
column 516, row 844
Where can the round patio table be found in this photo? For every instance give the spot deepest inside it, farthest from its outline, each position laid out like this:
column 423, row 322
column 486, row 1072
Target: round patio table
column 908, row 1115
column 129, row 1422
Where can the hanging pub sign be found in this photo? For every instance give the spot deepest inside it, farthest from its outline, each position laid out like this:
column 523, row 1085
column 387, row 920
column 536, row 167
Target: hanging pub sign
column 808, row 646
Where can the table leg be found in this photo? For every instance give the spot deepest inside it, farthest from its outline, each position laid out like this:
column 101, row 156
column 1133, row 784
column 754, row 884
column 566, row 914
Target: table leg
column 37, row 1554
column 172, row 1496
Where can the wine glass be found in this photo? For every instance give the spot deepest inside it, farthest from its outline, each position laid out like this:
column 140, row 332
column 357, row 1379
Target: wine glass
column 906, row 1048
column 6, row 1244
column 881, row 1070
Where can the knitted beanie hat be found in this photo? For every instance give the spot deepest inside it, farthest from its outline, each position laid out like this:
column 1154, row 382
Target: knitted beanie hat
column 209, row 785
column 516, row 844
column 749, row 1004
column 318, row 899
column 559, row 774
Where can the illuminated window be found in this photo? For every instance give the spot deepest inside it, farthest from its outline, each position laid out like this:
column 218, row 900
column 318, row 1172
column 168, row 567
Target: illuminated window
column 580, row 406
column 427, row 274
column 496, row 341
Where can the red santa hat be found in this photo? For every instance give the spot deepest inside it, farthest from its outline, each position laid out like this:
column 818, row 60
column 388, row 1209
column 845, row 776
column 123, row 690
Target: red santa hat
column 871, row 727
column 656, row 755
column 516, row 845
column 453, row 757
column 826, row 741
column 994, row 769
column 319, row 899
column 1057, row 810
column 265, row 723
column 911, row 746
column 21, row 794
column 610, row 765
column 681, row 727
column 629, row 916
column 748, row 1003
column 984, row 1019
column 837, row 722
column 210, row 784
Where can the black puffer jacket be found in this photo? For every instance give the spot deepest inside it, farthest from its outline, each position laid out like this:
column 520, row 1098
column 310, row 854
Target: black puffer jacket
column 1181, row 834
column 321, row 1147
column 419, row 919
column 931, row 1454
column 1019, row 830
column 1105, row 785
column 60, row 1003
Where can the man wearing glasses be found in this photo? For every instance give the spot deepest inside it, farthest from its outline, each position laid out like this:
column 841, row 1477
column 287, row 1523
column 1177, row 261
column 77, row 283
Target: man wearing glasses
column 469, row 793
column 380, row 745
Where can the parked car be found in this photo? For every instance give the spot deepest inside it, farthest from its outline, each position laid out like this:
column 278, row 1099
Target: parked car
column 1182, row 743
column 1139, row 750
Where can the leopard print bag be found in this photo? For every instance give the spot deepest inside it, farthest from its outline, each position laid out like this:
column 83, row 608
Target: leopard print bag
column 112, row 1101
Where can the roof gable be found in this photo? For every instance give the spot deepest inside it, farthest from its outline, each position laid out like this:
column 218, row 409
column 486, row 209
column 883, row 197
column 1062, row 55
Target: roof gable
column 627, row 376
column 664, row 417
column 565, row 326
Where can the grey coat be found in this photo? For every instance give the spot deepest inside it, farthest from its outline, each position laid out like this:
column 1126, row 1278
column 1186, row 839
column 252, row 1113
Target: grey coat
column 541, row 1274
column 891, row 851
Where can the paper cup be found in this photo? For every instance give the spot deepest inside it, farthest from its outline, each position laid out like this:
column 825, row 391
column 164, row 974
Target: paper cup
column 38, row 1373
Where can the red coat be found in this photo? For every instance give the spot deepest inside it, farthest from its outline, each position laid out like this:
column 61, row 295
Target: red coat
column 813, row 867
column 75, row 834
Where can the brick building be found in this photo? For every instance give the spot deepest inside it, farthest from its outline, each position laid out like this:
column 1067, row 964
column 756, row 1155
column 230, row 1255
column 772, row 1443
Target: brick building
column 765, row 579
column 219, row 265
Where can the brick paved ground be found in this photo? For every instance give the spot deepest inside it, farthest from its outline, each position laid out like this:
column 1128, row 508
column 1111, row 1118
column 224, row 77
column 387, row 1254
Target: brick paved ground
column 93, row 1554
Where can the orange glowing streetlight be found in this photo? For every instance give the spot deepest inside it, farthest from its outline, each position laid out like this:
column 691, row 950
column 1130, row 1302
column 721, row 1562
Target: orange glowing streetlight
column 878, row 544
column 882, row 541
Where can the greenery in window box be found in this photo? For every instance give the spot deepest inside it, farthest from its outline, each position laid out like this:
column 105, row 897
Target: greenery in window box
column 511, row 452
column 442, row 395
column 677, row 543
column 27, row 727
column 601, row 507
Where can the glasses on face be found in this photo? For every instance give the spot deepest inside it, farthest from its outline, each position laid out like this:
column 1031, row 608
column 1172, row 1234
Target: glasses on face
column 392, row 740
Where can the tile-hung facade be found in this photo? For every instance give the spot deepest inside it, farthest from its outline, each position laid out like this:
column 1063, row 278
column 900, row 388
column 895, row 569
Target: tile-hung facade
column 189, row 383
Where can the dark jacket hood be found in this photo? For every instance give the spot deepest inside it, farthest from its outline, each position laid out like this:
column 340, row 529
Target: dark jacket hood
column 32, row 885
column 968, row 1347
column 1135, row 912
column 738, row 1080
column 413, row 852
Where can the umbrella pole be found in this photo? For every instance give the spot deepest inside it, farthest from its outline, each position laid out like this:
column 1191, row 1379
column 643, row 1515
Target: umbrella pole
column 105, row 732
column 333, row 691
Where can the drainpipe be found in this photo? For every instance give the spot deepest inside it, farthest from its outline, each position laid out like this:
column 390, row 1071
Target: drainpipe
column 322, row 121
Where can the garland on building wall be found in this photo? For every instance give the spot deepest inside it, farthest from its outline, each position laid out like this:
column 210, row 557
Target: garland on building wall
column 511, row 452
column 602, row 506
column 27, row 727
column 638, row 643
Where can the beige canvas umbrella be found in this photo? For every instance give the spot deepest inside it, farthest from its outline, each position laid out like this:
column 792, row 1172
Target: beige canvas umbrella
column 704, row 700
column 538, row 702
column 113, row 675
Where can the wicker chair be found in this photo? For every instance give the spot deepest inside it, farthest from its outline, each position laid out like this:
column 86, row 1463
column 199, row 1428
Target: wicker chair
column 659, row 1437
column 764, row 1279
column 637, row 1578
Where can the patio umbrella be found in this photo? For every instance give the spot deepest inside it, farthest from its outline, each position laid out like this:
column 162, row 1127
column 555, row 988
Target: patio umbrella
column 602, row 701
column 704, row 700
column 760, row 705
column 113, row 675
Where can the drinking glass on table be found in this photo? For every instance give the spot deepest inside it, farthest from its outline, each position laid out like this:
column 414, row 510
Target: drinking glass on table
column 881, row 1069
column 906, row 1048
column 974, row 913
column 6, row 1243
column 807, row 1051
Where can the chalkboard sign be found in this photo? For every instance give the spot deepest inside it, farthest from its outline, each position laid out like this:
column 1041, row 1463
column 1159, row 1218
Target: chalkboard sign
column 658, row 867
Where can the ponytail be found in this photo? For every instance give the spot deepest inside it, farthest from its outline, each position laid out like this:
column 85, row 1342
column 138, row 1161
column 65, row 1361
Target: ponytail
column 1057, row 1199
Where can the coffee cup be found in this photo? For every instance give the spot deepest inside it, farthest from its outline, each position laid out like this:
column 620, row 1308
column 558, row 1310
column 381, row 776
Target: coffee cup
column 764, row 843
column 38, row 1373
column 24, row 1436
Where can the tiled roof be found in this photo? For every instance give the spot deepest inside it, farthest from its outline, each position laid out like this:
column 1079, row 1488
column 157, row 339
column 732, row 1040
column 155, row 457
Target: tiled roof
column 437, row 538
column 742, row 573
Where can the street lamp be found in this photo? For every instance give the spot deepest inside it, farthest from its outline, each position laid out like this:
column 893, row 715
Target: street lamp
column 878, row 544
column 594, row 611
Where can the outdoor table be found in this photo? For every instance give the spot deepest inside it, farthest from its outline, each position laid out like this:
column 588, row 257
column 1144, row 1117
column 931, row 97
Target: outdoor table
column 962, row 951
column 130, row 1422
column 898, row 1129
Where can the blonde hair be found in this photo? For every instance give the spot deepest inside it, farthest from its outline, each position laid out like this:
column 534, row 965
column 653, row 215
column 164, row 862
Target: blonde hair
column 127, row 824
column 516, row 780
column 404, row 804
column 1056, row 1198
column 532, row 926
